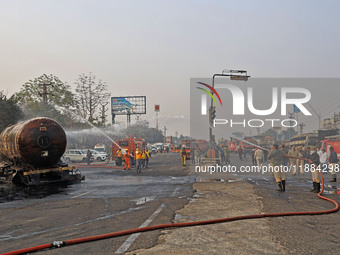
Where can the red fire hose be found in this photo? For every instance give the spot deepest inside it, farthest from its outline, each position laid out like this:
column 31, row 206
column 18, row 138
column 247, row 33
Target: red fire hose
column 59, row 244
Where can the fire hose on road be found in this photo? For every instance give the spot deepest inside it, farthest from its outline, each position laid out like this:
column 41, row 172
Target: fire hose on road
column 58, row 244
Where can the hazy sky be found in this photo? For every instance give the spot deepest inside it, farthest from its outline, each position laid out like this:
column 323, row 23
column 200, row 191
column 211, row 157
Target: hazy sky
column 152, row 48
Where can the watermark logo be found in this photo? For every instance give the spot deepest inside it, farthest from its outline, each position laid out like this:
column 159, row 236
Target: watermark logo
column 280, row 98
column 204, row 97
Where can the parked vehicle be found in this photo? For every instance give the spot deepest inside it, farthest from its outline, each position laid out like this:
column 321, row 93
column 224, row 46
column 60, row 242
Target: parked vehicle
column 98, row 156
column 31, row 152
column 130, row 143
column 100, row 148
column 75, row 155
column 331, row 141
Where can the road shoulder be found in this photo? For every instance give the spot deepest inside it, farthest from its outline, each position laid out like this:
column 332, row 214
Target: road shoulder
column 214, row 200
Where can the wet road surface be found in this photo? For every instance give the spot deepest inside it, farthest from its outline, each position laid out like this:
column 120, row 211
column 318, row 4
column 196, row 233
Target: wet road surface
column 111, row 200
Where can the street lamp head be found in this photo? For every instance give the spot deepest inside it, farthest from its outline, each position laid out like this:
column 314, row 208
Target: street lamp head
column 233, row 71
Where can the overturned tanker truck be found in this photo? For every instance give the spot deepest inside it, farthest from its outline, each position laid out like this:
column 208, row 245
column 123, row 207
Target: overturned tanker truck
column 31, row 154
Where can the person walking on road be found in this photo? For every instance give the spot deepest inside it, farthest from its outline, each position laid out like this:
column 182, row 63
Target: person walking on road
column 143, row 158
column 227, row 155
column 252, row 154
column 315, row 158
column 197, row 156
column 276, row 158
column 88, row 157
column 333, row 164
column 139, row 160
column 285, row 153
column 258, row 155
column 323, row 157
column 192, row 152
column 240, row 153
column 148, row 156
column 183, row 156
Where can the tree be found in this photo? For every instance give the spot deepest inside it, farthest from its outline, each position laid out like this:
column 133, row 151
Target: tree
column 89, row 95
column 59, row 93
column 10, row 112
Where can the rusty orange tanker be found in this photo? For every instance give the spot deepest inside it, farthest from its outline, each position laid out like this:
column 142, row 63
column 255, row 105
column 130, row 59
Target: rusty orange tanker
column 31, row 153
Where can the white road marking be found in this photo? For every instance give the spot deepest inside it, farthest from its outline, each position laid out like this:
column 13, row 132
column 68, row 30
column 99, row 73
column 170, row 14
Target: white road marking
column 81, row 194
column 126, row 245
column 175, row 191
column 128, row 242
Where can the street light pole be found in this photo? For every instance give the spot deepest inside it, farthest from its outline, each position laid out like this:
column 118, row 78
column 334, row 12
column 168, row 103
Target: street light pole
column 240, row 75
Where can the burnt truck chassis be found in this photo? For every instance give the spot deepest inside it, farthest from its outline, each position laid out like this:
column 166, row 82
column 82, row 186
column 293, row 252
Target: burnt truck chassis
column 10, row 173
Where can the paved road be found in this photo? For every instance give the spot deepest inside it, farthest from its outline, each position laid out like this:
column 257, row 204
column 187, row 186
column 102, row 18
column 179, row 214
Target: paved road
column 113, row 200
column 108, row 200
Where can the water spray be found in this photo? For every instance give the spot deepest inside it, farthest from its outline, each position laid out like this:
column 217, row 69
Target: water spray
column 88, row 122
column 245, row 141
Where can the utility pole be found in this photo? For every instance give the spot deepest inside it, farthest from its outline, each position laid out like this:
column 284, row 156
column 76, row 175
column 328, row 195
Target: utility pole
column 157, row 109
column 103, row 115
column 301, row 125
column 44, row 92
column 165, row 129
column 291, row 116
column 157, row 120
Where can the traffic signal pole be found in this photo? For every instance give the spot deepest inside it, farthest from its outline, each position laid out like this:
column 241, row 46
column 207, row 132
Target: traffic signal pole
column 212, row 109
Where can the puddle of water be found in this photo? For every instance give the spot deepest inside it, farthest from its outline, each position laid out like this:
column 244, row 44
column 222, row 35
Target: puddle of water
column 143, row 200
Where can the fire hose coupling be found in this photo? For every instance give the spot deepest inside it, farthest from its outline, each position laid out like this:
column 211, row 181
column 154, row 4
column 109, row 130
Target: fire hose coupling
column 57, row 244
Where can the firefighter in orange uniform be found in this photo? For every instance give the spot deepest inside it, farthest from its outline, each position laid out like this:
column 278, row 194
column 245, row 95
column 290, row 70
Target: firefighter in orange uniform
column 127, row 158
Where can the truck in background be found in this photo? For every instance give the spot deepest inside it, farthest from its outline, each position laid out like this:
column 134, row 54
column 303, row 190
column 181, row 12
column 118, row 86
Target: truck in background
column 131, row 143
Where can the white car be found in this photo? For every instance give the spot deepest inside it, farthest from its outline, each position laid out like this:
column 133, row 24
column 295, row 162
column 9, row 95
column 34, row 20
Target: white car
column 75, row 155
column 99, row 156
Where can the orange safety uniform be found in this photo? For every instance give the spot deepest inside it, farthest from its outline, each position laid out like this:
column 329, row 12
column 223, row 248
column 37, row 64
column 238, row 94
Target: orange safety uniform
column 144, row 155
column 127, row 157
column 138, row 154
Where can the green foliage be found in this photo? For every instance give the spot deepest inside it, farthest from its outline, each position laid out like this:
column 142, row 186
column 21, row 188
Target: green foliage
column 10, row 112
column 59, row 93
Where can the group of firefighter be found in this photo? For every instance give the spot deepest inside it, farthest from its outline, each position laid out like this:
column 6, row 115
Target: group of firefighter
column 299, row 158
column 212, row 152
column 139, row 160
column 295, row 158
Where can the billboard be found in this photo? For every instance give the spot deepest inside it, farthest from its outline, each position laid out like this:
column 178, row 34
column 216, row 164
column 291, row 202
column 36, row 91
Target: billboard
column 128, row 105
